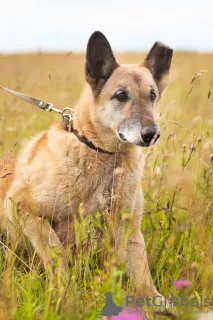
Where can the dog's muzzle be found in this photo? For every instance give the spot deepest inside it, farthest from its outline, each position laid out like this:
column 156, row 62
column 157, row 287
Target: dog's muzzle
column 141, row 136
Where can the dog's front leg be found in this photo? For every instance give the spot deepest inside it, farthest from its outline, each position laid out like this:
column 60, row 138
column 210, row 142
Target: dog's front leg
column 131, row 248
column 133, row 253
column 46, row 243
column 39, row 232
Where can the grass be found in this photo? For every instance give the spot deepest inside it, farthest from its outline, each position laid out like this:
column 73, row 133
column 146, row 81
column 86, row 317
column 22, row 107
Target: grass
column 177, row 184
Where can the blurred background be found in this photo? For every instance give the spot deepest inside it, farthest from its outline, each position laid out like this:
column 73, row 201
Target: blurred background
column 32, row 25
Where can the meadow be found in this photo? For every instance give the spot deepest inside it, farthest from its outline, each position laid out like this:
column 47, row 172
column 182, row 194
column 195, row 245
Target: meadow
column 177, row 184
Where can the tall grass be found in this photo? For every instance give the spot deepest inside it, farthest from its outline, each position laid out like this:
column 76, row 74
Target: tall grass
column 177, row 183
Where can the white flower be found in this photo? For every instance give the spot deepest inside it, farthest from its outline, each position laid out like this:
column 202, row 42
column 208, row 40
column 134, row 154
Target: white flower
column 158, row 170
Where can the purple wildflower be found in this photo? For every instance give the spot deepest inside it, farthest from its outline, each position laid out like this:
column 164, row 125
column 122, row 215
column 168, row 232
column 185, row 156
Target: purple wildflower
column 182, row 284
column 128, row 315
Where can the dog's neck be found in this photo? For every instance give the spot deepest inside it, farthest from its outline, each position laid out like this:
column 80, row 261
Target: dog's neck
column 85, row 123
column 91, row 128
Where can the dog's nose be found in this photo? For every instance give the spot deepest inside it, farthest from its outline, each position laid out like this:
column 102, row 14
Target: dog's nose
column 150, row 135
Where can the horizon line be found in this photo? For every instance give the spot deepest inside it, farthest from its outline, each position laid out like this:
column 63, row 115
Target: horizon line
column 70, row 52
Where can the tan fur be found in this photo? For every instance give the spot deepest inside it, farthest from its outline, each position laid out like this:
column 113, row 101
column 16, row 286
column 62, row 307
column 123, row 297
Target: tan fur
column 56, row 173
column 7, row 166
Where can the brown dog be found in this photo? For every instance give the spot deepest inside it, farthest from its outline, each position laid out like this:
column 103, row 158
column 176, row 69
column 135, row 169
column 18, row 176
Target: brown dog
column 99, row 161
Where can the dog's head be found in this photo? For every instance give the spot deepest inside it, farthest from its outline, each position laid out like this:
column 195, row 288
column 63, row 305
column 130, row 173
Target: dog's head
column 124, row 95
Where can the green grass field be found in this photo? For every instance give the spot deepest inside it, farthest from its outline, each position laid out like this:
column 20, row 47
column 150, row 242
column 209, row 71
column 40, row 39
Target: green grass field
column 177, row 184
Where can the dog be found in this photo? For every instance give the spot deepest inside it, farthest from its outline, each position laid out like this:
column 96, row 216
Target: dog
column 97, row 164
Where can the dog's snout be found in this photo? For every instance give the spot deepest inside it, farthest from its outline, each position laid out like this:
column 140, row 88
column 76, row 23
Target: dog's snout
column 150, row 135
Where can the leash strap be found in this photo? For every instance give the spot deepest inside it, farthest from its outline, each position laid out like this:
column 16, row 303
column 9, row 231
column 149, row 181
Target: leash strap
column 36, row 102
column 67, row 115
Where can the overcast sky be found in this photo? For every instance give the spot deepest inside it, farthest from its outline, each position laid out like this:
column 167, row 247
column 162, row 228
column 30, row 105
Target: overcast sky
column 65, row 25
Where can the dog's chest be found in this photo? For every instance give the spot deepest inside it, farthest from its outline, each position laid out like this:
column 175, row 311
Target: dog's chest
column 88, row 182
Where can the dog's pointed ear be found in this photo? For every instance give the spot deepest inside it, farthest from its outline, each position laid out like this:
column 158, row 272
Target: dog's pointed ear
column 100, row 61
column 158, row 61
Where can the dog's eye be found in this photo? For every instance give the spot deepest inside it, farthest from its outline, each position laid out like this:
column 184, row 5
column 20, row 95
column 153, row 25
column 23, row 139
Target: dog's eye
column 121, row 96
column 152, row 95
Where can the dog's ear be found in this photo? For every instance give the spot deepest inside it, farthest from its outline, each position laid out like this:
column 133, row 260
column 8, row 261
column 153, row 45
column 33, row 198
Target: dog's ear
column 100, row 61
column 158, row 61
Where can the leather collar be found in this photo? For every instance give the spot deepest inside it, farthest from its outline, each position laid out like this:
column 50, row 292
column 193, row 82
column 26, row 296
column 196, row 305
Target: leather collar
column 83, row 139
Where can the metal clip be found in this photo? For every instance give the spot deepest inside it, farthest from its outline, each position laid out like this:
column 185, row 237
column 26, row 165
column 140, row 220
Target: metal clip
column 67, row 114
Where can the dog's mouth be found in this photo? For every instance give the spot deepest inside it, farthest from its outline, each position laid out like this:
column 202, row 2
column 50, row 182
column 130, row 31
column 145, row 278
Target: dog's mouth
column 146, row 145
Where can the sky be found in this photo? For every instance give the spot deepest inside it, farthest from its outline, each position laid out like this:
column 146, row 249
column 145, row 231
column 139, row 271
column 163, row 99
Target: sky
column 129, row 25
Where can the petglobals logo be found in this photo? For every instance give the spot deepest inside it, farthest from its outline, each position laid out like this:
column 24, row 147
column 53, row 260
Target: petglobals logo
column 162, row 302
column 113, row 311
column 133, row 306
column 109, row 308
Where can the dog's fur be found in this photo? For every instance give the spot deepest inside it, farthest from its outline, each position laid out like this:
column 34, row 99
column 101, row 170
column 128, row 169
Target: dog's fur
column 56, row 173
